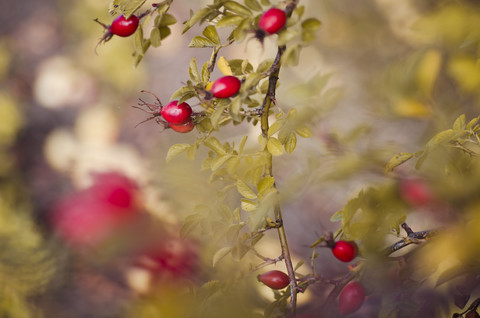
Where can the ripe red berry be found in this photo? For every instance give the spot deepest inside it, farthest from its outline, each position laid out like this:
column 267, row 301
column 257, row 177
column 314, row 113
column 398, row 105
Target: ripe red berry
column 415, row 192
column 225, row 87
column 472, row 314
column 175, row 113
column 183, row 128
column 124, row 27
column 90, row 216
column 351, row 298
column 345, row 251
column 272, row 21
column 274, row 279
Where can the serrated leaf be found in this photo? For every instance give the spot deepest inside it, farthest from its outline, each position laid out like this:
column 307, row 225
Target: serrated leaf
column 201, row 42
column 193, row 70
column 221, row 253
column 254, row 5
column 303, row 131
column 224, row 66
column 397, row 160
column 459, row 123
column 230, row 20
column 245, row 190
column 211, row 33
column 237, row 8
column 248, row 205
column 274, row 146
column 196, row 17
column 180, row 92
column 176, row 150
column 215, row 145
column 291, row 143
column 265, row 184
column 155, row 37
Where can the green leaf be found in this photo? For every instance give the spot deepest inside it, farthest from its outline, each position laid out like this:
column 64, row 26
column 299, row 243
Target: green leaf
column 303, row 131
column 442, row 137
column 181, row 92
column 201, row 42
column 248, row 205
column 193, row 70
column 242, row 144
column 138, row 41
column 126, row 7
column 190, row 223
column 219, row 161
column 164, row 32
column 215, row 145
column 274, row 146
column 155, row 37
column 472, row 123
column 264, row 66
column 251, row 81
column 291, row 55
column 265, row 2
column 459, row 123
column 265, row 208
column 237, row 8
column 221, row 253
column 245, row 190
column 167, row 19
column 196, row 17
column 254, row 5
column 265, row 184
column 397, row 160
column 192, row 151
column 291, row 143
column 211, row 33
column 337, row 216
column 276, row 126
column 286, row 36
column 311, row 24
column 217, row 113
column 176, row 150
column 230, row 20
column 299, row 264
column 235, row 108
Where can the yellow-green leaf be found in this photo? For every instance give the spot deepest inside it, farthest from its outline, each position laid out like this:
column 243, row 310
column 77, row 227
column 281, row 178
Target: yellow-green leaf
column 291, row 143
column 175, row 150
column 237, row 8
column 219, row 161
column 221, row 253
column 245, row 190
column 155, row 37
column 274, row 146
column 303, row 131
column 459, row 123
column 211, row 34
column 265, row 184
column 397, row 160
column 215, row 145
column 224, row 66
column 248, row 205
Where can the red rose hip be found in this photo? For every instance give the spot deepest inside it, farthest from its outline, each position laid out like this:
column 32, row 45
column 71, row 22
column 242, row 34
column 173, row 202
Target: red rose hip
column 272, row 21
column 274, row 279
column 124, row 27
column 175, row 113
column 415, row 192
column 345, row 251
column 351, row 298
column 183, row 128
column 225, row 87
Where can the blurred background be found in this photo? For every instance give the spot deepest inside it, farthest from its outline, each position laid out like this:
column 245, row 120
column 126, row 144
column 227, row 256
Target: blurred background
column 382, row 77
